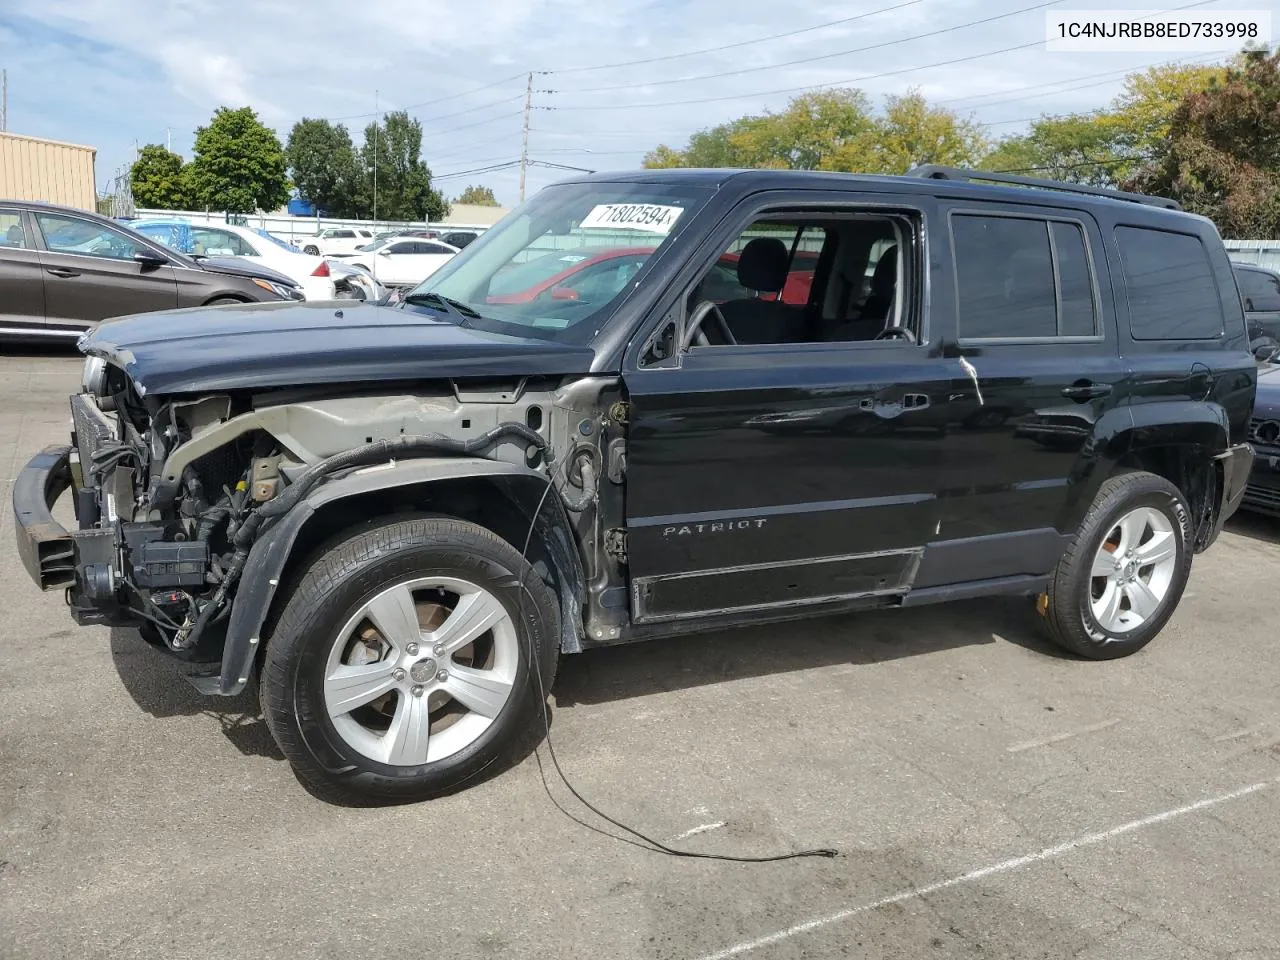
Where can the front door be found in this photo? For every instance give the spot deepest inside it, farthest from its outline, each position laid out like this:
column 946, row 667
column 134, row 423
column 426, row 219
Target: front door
column 90, row 272
column 784, row 454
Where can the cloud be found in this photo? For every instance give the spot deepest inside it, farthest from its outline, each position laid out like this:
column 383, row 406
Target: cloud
column 112, row 72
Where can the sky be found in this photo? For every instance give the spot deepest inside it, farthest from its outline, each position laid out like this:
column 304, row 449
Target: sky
column 114, row 74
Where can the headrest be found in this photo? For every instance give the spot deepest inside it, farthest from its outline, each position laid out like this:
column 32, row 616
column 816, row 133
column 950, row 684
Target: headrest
column 762, row 265
column 886, row 275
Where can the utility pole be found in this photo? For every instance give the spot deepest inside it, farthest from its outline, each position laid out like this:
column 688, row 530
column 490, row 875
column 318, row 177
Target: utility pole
column 168, row 139
column 524, row 146
column 377, row 120
column 4, row 99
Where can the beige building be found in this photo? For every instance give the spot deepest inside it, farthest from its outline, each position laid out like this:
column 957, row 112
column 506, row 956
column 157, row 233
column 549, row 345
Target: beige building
column 475, row 216
column 34, row 169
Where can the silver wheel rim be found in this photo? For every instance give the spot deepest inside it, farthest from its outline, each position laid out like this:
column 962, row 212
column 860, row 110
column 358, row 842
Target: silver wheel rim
column 1133, row 570
column 421, row 671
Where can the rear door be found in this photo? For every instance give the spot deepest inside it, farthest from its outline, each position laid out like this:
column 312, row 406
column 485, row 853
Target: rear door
column 1039, row 370
column 21, row 276
column 90, row 272
column 1260, row 293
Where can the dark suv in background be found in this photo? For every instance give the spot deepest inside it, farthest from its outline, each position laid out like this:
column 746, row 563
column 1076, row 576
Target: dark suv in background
column 398, row 517
column 62, row 270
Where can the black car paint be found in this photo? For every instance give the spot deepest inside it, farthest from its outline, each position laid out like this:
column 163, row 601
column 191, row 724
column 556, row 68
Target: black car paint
column 285, row 344
column 767, row 483
column 1262, row 495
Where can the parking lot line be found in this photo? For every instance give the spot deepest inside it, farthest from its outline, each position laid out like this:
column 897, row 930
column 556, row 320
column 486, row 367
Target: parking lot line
column 1004, row 866
column 1059, row 737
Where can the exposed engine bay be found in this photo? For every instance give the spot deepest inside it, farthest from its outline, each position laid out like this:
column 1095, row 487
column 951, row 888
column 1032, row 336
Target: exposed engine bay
column 171, row 494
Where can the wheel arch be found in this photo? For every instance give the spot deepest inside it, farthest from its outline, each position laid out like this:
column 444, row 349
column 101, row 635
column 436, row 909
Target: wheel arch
column 500, row 496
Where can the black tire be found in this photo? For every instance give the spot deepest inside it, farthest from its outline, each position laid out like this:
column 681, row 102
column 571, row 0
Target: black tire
column 340, row 578
column 311, row 250
column 219, row 301
column 1069, row 611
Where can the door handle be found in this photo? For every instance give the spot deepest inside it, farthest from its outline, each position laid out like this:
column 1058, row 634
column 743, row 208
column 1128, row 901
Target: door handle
column 1086, row 390
column 63, row 272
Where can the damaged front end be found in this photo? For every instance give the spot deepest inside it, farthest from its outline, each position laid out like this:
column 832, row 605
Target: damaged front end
column 171, row 495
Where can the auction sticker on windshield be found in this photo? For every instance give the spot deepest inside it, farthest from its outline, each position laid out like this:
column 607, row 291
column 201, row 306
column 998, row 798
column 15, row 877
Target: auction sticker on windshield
column 651, row 217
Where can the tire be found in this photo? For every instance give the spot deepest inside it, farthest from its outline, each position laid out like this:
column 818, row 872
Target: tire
column 220, row 301
column 1078, row 611
column 311, row 249
column 338, row 755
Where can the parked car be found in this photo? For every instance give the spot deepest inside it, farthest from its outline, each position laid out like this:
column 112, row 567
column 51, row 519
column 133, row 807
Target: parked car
column 1260, row 294
column 333, row 240
column 62, row 270
column 397, row 518
column 227, row 240
column 458, row 238
column 400, row 261
column 356, row 283
column 1262, row 495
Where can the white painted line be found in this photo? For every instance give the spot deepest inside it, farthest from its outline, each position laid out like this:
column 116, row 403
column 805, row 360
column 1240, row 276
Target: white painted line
column 1004, row 866
column 1249, row 731
column 705, row 828
column 1059, row 737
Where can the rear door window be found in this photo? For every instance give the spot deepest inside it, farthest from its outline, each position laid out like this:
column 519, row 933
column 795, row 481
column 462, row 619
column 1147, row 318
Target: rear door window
column 1170, row 285
column 11, row 232
column 1004, row 278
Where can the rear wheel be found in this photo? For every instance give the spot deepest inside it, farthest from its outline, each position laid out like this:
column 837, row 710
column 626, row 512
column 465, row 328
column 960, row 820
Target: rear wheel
column 400, row 666
column 1119, row 582
column 311, row 249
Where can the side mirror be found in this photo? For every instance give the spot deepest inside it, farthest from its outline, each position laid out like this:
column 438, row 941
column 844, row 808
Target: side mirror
column 564, row 293
column 1265, row 350
column 149, row 259
column 384, row 252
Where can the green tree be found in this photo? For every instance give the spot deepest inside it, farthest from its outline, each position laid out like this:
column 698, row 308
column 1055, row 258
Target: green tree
column 239, row 165
column 478, row 196
column 912, row 133
column 157, row 180
column 1223, row 151
column 404, row 191
column 833, row 130
column 323, row 165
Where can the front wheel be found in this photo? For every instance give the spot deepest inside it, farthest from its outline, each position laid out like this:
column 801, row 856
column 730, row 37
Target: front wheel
column 399, row 669
column 311, row 250
column 1119, row 582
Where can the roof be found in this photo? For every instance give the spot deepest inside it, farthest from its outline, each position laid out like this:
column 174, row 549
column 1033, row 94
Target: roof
column 748, row 181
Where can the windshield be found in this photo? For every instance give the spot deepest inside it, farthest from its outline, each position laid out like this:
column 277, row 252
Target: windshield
column 556, row 267
column 276, row 240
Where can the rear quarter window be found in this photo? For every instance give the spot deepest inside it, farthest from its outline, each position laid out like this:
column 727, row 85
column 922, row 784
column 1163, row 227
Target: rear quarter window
column 1170, row 285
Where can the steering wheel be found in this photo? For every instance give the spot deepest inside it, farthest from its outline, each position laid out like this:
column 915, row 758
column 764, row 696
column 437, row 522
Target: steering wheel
column 896, row 333
column 695, row 333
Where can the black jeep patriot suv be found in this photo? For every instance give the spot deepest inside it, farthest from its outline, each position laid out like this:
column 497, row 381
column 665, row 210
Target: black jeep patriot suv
column 651, row 403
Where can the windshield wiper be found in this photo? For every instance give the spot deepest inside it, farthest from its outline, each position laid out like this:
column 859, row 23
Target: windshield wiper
column 456, row 307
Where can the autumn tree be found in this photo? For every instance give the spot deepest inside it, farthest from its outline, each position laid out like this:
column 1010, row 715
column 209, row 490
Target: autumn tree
column 323, row 165
column 157, row 179
column 477, row 196
column 833, row 130
column 239, row 165
column 1223, row 154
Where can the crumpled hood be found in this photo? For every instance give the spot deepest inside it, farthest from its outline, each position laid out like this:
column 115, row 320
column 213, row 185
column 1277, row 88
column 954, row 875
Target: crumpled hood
column 1266, row 405
column 255, row 346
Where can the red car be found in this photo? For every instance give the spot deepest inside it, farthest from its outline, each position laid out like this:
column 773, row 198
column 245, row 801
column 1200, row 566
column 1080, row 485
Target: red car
column 594, row 274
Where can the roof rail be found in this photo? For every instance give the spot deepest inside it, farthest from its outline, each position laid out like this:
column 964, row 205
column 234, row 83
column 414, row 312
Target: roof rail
column 932, row 171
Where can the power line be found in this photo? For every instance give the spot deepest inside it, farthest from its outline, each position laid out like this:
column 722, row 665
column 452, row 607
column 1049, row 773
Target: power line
column 428, row 103
column 459, row 113
column 839, row 83
column 729, row 46
column 478, row 170
column 826, row 56
column 479, row 123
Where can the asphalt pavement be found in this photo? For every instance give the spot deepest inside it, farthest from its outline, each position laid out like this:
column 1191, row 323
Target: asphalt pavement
column 989, row 796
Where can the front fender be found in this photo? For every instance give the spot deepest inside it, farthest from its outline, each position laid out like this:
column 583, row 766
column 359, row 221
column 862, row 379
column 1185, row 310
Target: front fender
column 271, row 552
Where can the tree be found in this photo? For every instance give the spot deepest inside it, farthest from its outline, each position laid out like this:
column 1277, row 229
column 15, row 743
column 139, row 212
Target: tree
column 239, row 165
column 478, row 196
column 404, row 190
column 1223, row 148
column 1106, row 147
column 157, row 179
column 324, row 167
column 912, row 133
column 833, row 130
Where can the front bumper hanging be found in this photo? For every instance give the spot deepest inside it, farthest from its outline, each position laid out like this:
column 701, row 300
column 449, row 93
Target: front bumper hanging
column 47, row 549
